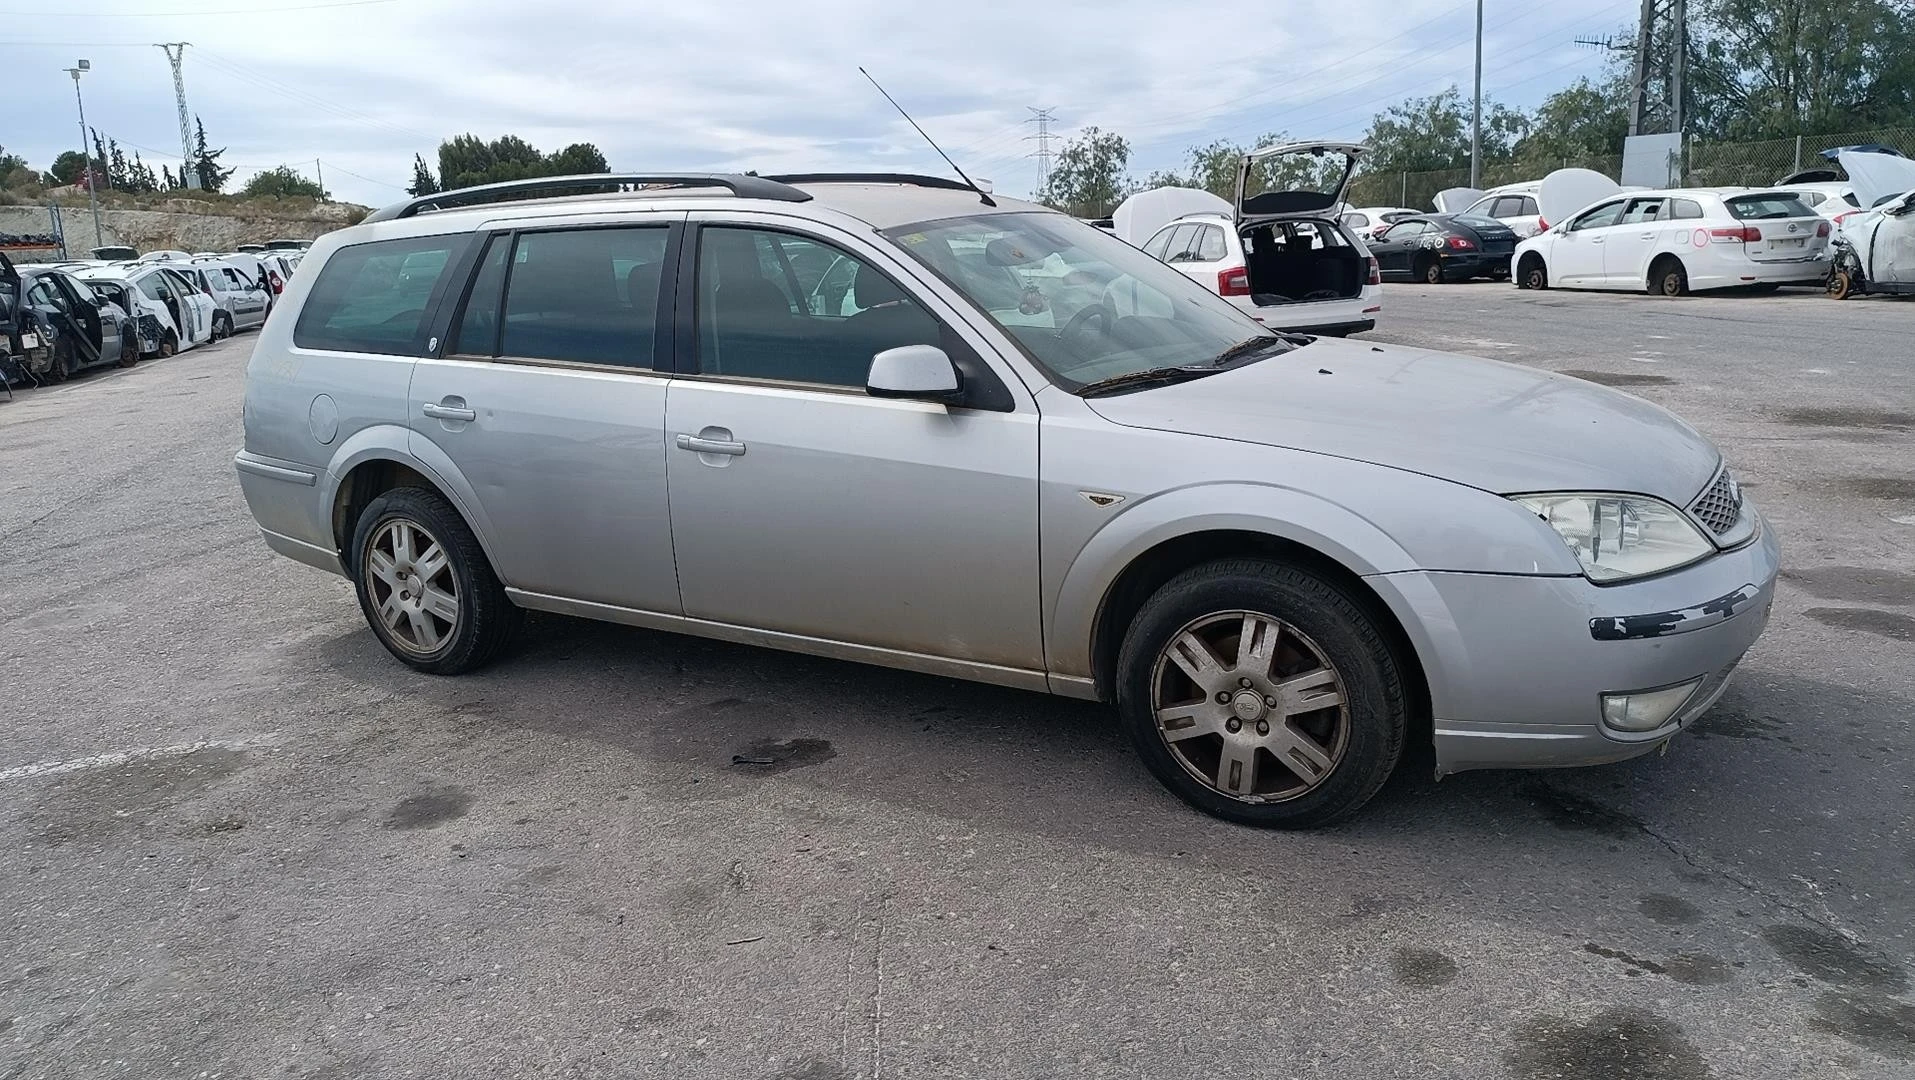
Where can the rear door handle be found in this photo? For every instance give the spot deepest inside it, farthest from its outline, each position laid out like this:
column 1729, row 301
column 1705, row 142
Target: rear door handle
column 710, row 446
column 442, row 411
column 1648, row 236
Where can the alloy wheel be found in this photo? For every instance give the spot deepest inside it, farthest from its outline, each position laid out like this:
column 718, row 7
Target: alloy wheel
column 1250, row 706
column 414, row 591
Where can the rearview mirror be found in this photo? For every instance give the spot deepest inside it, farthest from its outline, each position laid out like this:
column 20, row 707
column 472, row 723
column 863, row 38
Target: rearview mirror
column 917, row 372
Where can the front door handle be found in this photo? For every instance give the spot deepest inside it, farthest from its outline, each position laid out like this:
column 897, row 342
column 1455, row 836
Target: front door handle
column 1648, row 236
column 444, row 410
column 710, row 446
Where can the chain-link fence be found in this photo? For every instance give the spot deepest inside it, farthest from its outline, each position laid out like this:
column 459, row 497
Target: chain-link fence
column 1705, row 164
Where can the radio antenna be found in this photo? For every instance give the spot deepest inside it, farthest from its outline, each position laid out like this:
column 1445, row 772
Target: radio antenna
column 982, row 195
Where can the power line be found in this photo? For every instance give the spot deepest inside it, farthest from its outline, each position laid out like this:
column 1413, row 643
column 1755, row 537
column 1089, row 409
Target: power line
column 339, row 168
column 1043, row 119
column 181, row 14
column 234, row 69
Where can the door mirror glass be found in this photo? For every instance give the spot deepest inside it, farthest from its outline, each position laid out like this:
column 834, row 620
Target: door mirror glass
column 919, row 372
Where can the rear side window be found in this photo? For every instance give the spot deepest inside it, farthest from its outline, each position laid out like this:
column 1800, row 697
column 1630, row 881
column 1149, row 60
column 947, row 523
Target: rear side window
column 588, row 296
column 1357, row 221
column 1509, row 206
column 1210, row 246
column 372, row 298
column 1766, row 207
column 1811, row 198
column 1852, row 200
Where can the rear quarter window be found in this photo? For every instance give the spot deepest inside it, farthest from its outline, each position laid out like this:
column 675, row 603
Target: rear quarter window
column 373, row 297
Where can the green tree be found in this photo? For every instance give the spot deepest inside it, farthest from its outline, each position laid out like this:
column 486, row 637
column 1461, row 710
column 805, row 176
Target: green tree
column 14, row 170
column 1583, row 119
column 67, row 168
column 206, row 161
column 1429, row 133
column 118, row 173
column 282, row 182
column 167, row 181
column 141, row 178
column 1774, row 68
column 102, row 176
column 467, row 160
column 1089, row 179
column 423, row 182
column 577, row 158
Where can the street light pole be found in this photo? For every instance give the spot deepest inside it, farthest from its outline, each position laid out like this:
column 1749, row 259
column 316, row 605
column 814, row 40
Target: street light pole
column 1476, row 124
column 86, row 151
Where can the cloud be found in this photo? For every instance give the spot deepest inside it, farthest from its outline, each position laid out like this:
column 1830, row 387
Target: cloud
column 753, row 84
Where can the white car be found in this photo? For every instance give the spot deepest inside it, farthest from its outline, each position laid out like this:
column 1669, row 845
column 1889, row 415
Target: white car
column 1370, row 222
column 1281, row 256
column 241, row 299
column 1834, row 201
column 1515, row 205
column 182, row 311
column 1678, row 241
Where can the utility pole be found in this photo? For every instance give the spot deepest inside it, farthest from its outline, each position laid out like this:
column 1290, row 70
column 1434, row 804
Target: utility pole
column 189, row 172
column 1476, row 122
column 86, row 150
column 1657, row 98
column 320, row 169
column 1043, row 119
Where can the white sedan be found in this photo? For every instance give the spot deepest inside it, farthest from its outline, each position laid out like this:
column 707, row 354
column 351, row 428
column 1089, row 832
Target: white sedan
column 1677, row 241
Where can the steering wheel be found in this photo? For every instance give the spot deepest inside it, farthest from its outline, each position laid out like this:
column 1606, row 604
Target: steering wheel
column 1076, row 324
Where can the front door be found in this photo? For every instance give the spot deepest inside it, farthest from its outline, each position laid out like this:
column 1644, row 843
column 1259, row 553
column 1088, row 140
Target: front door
column 1397, row 247
column 804, row 506
column 548, row 402
column 1577, row 256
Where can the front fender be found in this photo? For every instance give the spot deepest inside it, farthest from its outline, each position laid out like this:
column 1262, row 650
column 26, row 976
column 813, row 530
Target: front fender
column 1337, row 532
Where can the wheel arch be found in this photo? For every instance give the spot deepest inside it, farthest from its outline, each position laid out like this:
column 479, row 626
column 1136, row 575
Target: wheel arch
column 377, row 460
column 1656, row 262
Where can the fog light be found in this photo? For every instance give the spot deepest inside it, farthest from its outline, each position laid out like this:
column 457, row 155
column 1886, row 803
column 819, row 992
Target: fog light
column 1646, row 710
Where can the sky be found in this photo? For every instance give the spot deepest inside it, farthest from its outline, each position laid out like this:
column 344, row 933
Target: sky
column 361, row 85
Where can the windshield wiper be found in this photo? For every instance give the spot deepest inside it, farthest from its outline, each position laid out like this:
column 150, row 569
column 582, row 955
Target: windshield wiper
column 1252, row 346
column 1143, row 378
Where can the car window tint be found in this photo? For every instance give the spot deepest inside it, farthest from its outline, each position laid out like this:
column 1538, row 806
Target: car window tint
column 1406, row 229
column 1812, row 198
column 1607, row 214
column 1183, row 244
column 1687, row 210
column 746, row 327
column 372, row 297
column 152, row 285
column 1645, row 210
column 1852, row 200
column 80, row 291
column 478, row 332
column 1530, row 209
column 1210, row 246
column 567, row 299
column 1767, row 206
column 1508, row 206
column 1160, row 243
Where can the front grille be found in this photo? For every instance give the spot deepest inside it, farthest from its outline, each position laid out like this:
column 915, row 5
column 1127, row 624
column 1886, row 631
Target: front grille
column 1720, row 506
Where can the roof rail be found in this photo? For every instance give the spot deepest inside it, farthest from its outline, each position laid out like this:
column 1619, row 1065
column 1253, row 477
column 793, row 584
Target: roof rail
column 913, row 179
column 742, row 186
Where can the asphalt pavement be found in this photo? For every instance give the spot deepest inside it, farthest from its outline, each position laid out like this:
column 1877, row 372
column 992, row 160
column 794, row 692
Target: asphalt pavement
column 237, row 840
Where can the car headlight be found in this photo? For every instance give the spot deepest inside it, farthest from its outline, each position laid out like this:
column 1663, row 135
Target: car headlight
column 1617, row 537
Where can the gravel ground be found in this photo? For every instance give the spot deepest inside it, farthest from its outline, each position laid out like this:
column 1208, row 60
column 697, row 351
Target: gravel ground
column 237, row 840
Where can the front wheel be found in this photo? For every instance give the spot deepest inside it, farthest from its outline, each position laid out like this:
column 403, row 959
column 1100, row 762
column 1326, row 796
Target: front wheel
column 1263, row 694
column 169, row 345
column 222, row 326
column 129, row 348
column 425, row 585
column 1841, row 284
column 1533, row 275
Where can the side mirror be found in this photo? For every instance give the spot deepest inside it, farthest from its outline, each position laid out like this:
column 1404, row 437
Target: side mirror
column 917, row 372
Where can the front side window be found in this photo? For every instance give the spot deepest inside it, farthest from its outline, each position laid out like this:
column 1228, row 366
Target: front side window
column 1160, row 244
column 587, row 296
column 1608, row 214
column 1406, row 230
column 748, row 327
column 154, row 286
column 1083, row 305
column 372, row 297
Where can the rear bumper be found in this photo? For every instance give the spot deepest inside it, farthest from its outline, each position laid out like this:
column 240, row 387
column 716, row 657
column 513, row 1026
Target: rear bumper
column 1477, row 264
column 1517, row 666
column 286, row 503
column 1750, row 272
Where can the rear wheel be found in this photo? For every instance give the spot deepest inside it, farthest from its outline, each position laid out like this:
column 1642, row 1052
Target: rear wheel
column 222, row 326
column 1532, row 274
column 129, row 347
column 1668, row 278
column 1429, row 271
column 58, row 370
column 425, row 585
column 1261, row 693
column 170, row 344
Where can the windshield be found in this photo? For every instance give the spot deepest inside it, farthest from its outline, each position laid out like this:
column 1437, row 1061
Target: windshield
column 1767, row 206
column 1085, row 306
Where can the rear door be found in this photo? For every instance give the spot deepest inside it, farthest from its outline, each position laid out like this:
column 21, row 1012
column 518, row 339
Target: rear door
column 1790, row 230
column 548, row 401
column 1628, row 248
column 1397, row 248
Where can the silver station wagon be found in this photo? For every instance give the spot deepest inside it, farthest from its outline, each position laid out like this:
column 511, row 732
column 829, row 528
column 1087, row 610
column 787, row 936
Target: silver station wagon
column 895, row 419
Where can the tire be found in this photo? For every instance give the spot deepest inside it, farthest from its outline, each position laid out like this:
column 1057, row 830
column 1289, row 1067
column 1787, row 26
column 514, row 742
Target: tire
column 1841, row 285
column 129, row 347
column 170, row 344
column 1429, row 271
column 468, row 622
column 222, row 326
column 1334, row 756
column 58, row 369
column 1533, row 274
column 1668, row 278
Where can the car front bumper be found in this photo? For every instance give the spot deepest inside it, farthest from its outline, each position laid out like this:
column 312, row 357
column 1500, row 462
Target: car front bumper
column 1517, row 666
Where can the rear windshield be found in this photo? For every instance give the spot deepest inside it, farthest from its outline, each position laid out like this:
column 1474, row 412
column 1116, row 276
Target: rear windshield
column 1481, row 224
column 1765, row 207
column 372, row 298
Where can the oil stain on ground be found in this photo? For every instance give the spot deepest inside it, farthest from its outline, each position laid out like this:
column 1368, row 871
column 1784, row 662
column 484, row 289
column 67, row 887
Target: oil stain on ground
column 1621, row 378
column 1879, row 1024
column 1855, row 584
column 1897, row 488
column 1731, row 723
column 434, row 806
column 1574, row 813
column 766, row 756
column 1614, row 1045
column 1669, row 910
column 814, row 1067
column 1422, row 968
column 1832, row 958
column 91, row 805
column 1889, row 624
column 1883, row 419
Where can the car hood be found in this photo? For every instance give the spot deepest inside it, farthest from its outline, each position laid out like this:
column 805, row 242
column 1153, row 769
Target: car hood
column 1495, row 426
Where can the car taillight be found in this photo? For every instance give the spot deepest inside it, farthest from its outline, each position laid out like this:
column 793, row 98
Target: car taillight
column 1376, row 271
column 1843, row 216
column 1822, row 229
column 1542, row 225
column 1234, row 281
column 1461, row 243
column 1747, row 234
